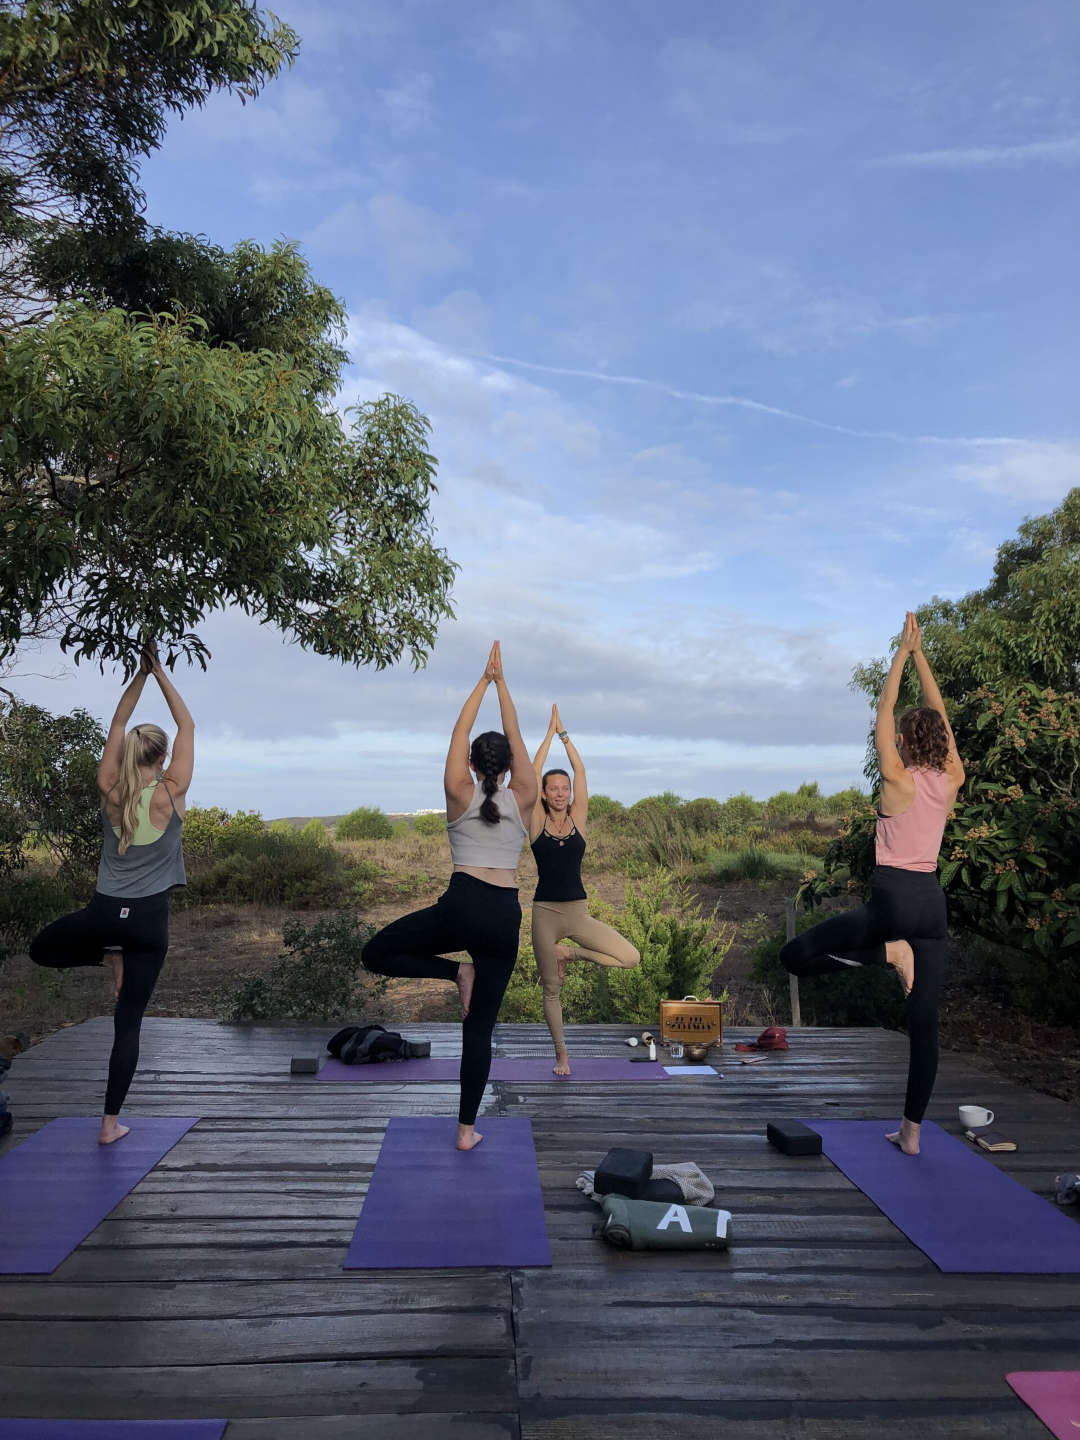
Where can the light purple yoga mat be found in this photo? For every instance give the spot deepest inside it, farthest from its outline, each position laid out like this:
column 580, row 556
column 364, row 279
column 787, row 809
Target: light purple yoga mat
column 518, row 1071
column 58, row 1186
column 429, row 1205
column 958, row 1208
column 1054, row 1395
column 112, row 1429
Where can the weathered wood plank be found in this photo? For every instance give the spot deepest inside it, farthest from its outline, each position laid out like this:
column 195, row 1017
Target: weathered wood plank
column 313, row 1387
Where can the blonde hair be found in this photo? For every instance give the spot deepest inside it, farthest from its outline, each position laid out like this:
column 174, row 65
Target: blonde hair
column 143, row 745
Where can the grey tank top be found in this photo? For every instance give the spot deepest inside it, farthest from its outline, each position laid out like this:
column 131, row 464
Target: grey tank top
column 474, row 842
column 142, row 870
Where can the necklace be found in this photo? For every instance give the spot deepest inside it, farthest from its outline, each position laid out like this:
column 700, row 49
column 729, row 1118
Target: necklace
column 561, row 836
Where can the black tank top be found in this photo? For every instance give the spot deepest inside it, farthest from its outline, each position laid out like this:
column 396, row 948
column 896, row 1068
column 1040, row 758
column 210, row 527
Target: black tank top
column 558, row 866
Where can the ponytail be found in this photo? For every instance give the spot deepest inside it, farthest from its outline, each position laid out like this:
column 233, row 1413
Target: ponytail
column 490, row 756
column 144, row 745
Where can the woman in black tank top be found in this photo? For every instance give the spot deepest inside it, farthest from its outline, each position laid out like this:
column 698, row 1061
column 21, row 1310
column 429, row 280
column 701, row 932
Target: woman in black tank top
column 560, row 906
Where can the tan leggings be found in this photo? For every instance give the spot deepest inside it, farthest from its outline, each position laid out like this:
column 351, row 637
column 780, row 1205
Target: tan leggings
column 555, row 920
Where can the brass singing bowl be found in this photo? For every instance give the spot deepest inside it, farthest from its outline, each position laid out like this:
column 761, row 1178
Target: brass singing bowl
column 696, row 1053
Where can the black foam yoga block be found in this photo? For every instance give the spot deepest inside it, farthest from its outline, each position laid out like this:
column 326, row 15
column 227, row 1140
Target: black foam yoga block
column 623, row 1172
column 663, row 1190
column 793, row 1137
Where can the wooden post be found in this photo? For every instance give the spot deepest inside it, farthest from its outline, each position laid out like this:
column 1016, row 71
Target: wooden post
column 793, row 980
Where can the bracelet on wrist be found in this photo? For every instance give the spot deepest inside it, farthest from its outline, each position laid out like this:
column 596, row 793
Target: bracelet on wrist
column 563, row 736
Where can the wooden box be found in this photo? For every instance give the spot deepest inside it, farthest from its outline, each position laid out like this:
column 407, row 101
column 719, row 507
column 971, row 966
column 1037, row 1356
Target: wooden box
column 693, row 1021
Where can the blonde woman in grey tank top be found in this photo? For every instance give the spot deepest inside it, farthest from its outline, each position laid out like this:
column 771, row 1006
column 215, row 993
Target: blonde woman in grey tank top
column 126, row 924
column 479, row 912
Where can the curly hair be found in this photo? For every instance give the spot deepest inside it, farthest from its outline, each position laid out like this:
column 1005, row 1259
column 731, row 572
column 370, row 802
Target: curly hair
column 926, row 738
column 489, row 755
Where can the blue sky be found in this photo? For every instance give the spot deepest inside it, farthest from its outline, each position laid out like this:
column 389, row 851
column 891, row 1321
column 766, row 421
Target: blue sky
column 741, row 329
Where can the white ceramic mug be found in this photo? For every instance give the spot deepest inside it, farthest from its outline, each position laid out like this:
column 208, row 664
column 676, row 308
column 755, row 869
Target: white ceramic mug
column 974, row 1117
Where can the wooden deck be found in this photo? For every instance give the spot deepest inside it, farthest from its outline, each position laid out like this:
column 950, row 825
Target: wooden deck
column 216, row 1288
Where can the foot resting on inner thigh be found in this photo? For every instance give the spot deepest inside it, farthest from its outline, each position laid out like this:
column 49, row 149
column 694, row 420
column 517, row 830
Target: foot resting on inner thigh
column 901, row 957
column 466, row 979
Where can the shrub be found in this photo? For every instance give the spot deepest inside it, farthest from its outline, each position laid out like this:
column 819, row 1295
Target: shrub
column 320, row 977
column 315, row 832
column 680, row 951
column 667, row 801
column 756, row 863
column 663, row 836
column 602, row 807
column 801, row 804
column 701, row 816
column 737, row 813
column 364, row 823
column 429, row 824
column 270, row 869
column 281, row 827
column 209, row 829
column 29, row 900
column 861, row 995
column 843, row 802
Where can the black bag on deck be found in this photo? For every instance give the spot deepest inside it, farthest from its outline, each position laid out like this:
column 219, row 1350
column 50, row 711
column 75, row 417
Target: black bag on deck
column 372, row 1044
column 623, row 1172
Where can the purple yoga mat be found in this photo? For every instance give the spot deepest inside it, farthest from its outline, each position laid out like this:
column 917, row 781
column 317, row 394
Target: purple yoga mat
column 429, row 1205
column 518, row 1071
column 958, row 1208
column 58, row 1186
column 1054, row 1395
column 112, row 1429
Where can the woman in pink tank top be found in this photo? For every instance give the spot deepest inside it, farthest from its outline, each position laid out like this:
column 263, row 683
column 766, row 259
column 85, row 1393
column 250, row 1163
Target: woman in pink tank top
column 904, row 924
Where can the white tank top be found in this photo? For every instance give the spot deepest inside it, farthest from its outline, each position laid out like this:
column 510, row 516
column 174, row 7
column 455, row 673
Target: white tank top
column 474, row 842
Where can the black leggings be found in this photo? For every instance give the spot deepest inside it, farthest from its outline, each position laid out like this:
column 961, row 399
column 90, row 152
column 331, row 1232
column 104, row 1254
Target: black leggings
column 481, row 919
column 904, row 905
column 141, row 929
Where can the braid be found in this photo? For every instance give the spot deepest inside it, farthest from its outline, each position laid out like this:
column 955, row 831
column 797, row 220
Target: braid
column 490, row 756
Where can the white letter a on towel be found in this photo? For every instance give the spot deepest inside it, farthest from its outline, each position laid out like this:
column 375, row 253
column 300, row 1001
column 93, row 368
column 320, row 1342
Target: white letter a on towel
column 676, row 1215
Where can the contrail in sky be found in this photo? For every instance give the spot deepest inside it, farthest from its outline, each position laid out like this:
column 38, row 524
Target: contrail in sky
column 743, row 403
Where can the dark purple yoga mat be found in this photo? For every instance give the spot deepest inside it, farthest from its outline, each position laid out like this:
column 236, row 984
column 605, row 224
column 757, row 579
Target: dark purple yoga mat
column 958, row 1208
column 112, row 1429
column 429, row 1205
column 58, row 1186
column 519, row 1071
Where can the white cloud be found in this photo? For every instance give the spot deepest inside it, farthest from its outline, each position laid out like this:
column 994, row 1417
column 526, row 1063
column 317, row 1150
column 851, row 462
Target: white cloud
column 409, row 106
column 461, row 319
column 411, row 240
column 1064, row 150
column 1037, row 471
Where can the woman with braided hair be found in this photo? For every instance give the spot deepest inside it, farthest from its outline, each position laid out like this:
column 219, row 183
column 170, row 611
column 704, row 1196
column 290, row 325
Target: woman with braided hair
column 126, row 924
column 904, row 925
column 479, row 912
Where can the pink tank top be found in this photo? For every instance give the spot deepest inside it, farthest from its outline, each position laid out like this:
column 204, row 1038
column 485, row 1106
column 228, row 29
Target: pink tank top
column 912, row 840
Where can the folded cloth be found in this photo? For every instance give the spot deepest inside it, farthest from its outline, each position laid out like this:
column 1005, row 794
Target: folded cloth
column 696, row 1187
column 652, row 1225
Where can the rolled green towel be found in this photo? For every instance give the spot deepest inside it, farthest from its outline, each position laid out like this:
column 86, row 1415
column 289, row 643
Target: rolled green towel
column 653, row 1225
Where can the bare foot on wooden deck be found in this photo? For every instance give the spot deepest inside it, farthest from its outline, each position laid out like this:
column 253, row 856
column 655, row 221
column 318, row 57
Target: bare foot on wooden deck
column 562, row 1063
column 466, row 979
column 114, row 961
column 907, row 1137
column 901, row 957
column 112, row 1130
column 468, row 1137
column 563, row 956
